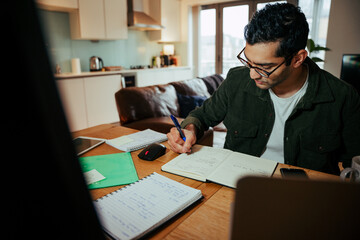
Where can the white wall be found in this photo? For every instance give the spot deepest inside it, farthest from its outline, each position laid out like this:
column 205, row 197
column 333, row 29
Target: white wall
column 343, row 33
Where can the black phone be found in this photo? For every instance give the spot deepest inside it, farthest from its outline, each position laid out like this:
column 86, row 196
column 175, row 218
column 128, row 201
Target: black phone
column 293, row 172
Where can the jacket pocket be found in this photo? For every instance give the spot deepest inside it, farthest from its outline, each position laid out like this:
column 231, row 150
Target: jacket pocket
column 241, row 137
column 324, row 143
column 319, row 152
column 243, row 129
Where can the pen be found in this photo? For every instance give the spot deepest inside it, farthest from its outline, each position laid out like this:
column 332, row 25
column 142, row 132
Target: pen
column 177, row 125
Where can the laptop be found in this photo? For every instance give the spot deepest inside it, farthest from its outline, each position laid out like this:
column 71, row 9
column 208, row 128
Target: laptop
column 350, row 70
column 271, row 208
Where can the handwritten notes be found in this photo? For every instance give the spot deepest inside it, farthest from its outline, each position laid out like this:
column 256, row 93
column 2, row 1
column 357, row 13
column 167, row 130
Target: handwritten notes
column 239, row 165
column 222, row 166
column 122, row 140
column 199, row 164
column 137, row 209
column 137, row 140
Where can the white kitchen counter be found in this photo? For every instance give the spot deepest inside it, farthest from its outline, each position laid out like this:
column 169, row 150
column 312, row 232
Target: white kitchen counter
column 125, row 71
column 88, row 97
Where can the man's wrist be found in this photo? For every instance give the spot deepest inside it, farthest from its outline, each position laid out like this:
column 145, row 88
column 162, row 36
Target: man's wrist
column 191, row 127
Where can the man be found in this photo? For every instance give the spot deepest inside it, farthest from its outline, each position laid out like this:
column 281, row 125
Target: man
column 280, row 106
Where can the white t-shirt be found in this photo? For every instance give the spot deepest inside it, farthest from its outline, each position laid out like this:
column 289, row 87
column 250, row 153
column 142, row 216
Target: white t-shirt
column 283, row 108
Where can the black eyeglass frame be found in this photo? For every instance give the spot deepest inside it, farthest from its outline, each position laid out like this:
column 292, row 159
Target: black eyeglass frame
column 264, row 73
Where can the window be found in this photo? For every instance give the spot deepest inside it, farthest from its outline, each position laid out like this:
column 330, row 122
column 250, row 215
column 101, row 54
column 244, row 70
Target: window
column 234, row 20
column 222, row 34
column 208, row 41
column 317, row 15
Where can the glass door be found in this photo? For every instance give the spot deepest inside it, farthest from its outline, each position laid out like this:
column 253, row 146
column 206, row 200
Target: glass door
column 207, row 42
column 234, row 19
column 221, row 34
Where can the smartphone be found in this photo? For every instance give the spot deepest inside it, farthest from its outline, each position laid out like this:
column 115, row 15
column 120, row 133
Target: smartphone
column 293, row 172
column 84, row 144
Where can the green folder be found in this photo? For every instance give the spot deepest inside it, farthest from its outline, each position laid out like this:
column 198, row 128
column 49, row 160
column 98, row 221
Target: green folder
column 118, row 169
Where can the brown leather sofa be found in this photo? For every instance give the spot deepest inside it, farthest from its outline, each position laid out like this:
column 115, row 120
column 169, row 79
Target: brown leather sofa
column 150, row 107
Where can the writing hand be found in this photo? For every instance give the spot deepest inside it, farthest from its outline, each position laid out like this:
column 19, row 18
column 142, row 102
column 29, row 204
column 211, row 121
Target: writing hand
column 177, row 144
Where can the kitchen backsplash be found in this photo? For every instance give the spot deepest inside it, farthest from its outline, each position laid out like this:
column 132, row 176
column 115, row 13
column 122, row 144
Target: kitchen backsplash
column 136, row 50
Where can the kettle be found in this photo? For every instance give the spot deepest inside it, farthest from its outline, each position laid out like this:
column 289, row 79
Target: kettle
column 95, row 64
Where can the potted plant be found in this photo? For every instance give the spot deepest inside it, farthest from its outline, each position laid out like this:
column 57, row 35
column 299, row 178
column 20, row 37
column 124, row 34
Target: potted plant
column 313, row 48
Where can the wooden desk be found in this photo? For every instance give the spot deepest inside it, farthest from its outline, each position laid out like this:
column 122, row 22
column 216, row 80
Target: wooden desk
column 209, row 219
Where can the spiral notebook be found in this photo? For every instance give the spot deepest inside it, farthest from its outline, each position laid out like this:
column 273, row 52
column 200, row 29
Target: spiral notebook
column 133, row 211
column 137, row 140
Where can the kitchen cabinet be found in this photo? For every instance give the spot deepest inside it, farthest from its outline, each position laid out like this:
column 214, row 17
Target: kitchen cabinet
column 169, row 16
column 116, row 19
column 58, row 5
column 72, row 95
column 99, row 19
column 100, row 99
column 89, row 101
column 162, row 76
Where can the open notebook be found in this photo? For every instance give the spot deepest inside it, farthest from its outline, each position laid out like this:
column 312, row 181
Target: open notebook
column 135, row 210
column 218, row 165
column 137, row 140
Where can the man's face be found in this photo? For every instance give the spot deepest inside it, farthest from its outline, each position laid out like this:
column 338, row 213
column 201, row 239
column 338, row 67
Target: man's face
column 263, row 55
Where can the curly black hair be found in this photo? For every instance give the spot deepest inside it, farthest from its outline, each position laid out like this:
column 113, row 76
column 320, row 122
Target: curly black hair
column 282, row 22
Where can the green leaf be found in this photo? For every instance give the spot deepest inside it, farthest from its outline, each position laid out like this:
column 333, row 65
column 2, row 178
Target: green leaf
column 319, row 48
column 310, row 45
column 316, row 59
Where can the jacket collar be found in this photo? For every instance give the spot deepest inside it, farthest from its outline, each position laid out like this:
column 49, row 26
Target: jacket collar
column 318, row 90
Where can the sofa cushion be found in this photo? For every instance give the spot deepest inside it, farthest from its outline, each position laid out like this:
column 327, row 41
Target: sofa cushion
column 137, row 103
column 189, row 103
column 191, row 87
column 213, row 82
column 159, row 124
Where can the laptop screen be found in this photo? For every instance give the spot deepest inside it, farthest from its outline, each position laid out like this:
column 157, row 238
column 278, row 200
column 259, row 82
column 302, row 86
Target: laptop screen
column 270, row 208
column 350, row 70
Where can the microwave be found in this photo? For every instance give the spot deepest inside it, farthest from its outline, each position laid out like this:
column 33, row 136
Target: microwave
column 128, row 80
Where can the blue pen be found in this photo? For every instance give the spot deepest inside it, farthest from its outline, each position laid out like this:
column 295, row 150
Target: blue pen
column 177, row 125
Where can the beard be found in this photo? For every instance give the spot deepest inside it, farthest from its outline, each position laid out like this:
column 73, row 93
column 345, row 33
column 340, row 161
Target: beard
column 267, row 83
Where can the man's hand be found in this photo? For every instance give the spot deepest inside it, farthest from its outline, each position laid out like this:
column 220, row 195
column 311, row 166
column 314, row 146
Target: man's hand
column 177, row 144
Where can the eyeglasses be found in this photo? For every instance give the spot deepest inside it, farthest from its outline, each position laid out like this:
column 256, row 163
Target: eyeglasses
column 260, row 71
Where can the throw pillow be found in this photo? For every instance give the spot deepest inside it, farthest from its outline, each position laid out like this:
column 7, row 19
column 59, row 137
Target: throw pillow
column 189, row 103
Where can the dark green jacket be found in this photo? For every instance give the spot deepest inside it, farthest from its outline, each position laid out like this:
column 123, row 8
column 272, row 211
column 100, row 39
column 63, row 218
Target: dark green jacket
column 323, row 129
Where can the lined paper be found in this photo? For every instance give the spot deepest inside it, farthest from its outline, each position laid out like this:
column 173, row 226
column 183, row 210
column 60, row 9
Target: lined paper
column 199, row 164
column 221, row 166
column 135, row 210
column 137, row 140
column 239, row 165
